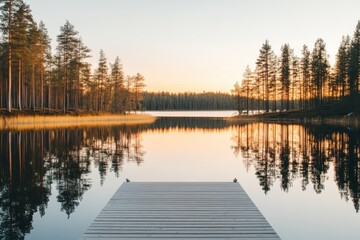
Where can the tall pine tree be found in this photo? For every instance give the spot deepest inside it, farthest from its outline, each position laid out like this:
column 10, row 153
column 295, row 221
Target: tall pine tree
column 285, row 76
column 102, row 79
column 117, row 78
column 264, row 69
column 8, row 9
column 342, row 66
column 319, row 69
column 67, row 45
column 354, row 62
column 139, row 84
column 305, row 76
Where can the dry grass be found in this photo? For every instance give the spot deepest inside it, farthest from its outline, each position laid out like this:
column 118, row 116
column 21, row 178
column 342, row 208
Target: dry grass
column 50, row 122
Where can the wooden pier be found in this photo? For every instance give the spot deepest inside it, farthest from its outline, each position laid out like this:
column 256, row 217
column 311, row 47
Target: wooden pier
column 180, row 211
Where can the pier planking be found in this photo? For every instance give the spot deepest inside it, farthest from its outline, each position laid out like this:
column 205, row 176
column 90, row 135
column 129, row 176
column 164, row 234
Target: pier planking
column 170, row 210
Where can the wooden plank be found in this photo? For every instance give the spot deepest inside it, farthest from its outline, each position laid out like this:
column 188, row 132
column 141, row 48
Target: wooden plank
column 180, row 211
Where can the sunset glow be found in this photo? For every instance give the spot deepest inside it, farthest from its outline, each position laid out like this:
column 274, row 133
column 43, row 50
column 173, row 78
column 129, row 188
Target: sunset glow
column 197, row 46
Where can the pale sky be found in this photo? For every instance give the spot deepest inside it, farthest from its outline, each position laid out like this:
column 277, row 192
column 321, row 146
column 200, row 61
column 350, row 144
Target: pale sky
column 197, row 45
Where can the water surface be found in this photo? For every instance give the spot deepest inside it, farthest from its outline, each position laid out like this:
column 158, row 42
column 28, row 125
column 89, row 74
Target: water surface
column 305, row 180
column 219, row 114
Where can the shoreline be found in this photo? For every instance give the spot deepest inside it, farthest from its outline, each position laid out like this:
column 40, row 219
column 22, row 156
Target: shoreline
column 28, row 122
column 351, row 121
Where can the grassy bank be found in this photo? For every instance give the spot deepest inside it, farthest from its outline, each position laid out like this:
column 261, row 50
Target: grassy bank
column 345, row 113
column 24, row 122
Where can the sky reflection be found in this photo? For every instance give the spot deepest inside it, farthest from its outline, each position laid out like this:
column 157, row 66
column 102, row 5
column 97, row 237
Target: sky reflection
column 54, row 182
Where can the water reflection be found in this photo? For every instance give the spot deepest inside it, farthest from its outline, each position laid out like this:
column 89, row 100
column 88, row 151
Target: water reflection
column 288, row 152
column 189, row 124
column 34, row 161
column 34, row 165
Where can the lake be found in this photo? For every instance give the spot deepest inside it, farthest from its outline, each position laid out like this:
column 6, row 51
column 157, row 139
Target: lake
column 304, row 179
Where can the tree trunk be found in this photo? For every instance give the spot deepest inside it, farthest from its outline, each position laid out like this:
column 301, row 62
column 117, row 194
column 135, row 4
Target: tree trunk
column 49, row 97
column 9, row 105
column 1, row 93
column 33, row 87
column 56, row 100
column 65, row 86
column 19, row 86
column 24, row 89
column 42, row 88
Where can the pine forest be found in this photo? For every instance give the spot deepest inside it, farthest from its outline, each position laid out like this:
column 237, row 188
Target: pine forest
column 286, row 82
column 33, row 78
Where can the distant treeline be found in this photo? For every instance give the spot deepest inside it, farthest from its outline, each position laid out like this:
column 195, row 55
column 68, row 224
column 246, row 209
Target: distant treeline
column 188, row 101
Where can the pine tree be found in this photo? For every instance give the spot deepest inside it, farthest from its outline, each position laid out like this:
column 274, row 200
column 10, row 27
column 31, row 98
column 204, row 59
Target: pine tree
column 102, row 78
column 81, row 53
column 129, row 102
column 8, row 9
column 285, row 75
column 246, row 85
column 354, row 62
column 274, row 81
column 34, row 49
column 342, row 65
column 305, row 76
column 295, row 88
column 117, row 77
column 57, row 81
column 263, row 68
column 319, row 70
column 48, row 77
column 88, row 87
column 139, row 84
column 67, row 45
column 45, row 57
column 236, row 91
column 23, row 22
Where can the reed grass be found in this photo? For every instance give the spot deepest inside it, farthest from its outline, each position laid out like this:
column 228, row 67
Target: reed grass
column 50, row 122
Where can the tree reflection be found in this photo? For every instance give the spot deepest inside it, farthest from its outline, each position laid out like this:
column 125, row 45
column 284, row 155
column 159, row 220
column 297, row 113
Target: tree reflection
column 23, row 188
column 347, row 165
column 288, row 152
column 189, row 124
column 33, row 161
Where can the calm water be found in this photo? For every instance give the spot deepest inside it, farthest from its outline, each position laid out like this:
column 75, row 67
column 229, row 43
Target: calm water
column 305, row 180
